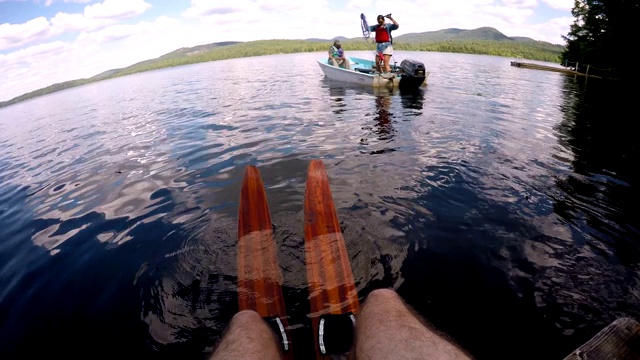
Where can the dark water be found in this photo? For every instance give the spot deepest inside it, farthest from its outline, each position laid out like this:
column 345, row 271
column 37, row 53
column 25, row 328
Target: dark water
column 498, row 201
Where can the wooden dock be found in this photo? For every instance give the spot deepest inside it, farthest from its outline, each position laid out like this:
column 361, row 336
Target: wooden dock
column 549, row 68
column 620, row 340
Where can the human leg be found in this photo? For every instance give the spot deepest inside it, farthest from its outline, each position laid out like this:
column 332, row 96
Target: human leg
column 333, row 62
column 387, row 52
column 248, row 336
column 388, row 329
column 378, row 63
column 387, row 60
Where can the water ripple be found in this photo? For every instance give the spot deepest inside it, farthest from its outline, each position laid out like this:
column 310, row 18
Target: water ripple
column 493, row 195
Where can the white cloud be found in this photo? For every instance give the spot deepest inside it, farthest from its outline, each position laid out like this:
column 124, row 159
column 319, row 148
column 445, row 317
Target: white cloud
column 202, row 8
column 105, row 43
column 358, row 4
column 93, row 52
column 14, row 35
column 560, row 4
column 288, row 5
column 50, row 2
column 245, row 20
column 552, row 30
column 272, row 11
column 427, row 5
column 64, row 22
column 111, row 33
column 21, row 69
column 520, row 3
column 432, row 15
column 149, row 31
column 116, row 9
column 95, row 16
column 33, row 53
column 508, row 14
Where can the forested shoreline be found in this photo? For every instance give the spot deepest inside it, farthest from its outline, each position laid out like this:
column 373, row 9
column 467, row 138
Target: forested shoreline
column 532, row 50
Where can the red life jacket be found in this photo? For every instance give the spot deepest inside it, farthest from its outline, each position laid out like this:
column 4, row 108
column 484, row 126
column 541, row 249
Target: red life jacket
column 382, row 35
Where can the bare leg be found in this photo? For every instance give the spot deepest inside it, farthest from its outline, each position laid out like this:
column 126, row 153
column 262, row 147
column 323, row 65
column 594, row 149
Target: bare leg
column 333, row 61
column 387, row 60
column 247, row 337
column 387, row 329
column 378, row 67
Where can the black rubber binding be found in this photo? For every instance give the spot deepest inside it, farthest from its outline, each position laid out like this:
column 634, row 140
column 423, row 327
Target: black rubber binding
column 278, row 327
column 336, row 333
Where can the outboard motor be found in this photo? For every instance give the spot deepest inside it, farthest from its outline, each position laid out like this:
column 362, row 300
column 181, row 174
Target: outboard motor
column 413, row 73
column 412, row 67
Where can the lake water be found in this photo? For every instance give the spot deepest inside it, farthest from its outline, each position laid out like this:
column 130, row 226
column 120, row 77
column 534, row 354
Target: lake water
column 498, row 201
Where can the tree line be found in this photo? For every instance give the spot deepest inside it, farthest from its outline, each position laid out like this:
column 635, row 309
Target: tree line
column 521, row 49
column 602, row 37
column 526, row 50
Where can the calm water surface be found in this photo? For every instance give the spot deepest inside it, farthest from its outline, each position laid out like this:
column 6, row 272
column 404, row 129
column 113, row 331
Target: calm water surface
column 498, row 201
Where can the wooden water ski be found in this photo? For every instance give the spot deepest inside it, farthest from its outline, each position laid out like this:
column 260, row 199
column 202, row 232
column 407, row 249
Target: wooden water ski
column 331, row 287
column 259, row 275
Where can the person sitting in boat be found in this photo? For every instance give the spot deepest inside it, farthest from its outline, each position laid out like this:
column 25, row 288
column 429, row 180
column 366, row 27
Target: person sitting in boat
column 384, row 48
column 336, row 55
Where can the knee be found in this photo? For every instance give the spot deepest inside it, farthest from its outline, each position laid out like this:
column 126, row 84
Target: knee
column 246, row 318
column 382, row 296
column 384, row 293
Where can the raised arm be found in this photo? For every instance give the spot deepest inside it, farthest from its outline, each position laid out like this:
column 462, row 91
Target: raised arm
column 395, row 23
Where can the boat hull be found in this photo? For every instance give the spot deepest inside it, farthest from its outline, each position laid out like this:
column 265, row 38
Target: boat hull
column 362, row 73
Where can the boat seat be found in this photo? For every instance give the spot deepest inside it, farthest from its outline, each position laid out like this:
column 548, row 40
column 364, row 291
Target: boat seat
column 366, row 71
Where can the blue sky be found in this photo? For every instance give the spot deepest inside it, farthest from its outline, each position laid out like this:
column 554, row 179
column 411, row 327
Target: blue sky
column 49, row 41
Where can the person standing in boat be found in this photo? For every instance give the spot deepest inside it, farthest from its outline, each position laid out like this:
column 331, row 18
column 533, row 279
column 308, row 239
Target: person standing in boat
column 384, row 48
column 336, row 55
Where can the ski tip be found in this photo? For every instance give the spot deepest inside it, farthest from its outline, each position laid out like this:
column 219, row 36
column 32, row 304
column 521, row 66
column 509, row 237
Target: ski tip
column 317, row 169
column 251, row 182
column 253, row 209
column 251, row 172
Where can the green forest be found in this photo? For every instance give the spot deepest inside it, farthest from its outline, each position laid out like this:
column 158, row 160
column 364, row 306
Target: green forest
column 602, row 36
column 485, row 41
column 269, row 47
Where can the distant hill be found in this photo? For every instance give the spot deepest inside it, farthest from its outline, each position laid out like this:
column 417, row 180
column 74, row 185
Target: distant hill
column 341, row 38
column 484, row 40
column 174, row 55
column 453, row 34
column 196, row 49
column 483, row 33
